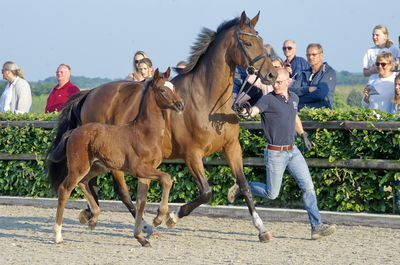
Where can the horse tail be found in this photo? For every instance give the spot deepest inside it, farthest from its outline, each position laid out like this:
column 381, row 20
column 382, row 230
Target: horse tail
column 68, row 120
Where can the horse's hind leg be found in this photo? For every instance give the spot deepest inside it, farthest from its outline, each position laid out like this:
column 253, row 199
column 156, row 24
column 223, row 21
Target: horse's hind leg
column 233, row 154
column 140, row 204
column 94, row 207
column 64, row 191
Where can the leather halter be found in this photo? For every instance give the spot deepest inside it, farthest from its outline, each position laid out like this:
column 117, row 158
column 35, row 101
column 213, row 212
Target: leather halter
column 250, row 69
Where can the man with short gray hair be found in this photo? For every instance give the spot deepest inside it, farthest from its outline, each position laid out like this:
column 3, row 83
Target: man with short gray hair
column 293, row 64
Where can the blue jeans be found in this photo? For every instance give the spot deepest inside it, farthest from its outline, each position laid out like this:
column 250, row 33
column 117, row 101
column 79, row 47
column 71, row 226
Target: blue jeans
column 276, row 162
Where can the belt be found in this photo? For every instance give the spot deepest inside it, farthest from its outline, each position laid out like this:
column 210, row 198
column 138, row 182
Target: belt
column 280, row 147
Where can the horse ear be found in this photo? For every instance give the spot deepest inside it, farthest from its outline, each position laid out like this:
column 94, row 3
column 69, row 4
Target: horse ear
column 167, row 73
column 243, row 19
column 254, row 20
column 156, row 74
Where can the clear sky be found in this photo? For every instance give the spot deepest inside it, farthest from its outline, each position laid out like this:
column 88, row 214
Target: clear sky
column 98, row 38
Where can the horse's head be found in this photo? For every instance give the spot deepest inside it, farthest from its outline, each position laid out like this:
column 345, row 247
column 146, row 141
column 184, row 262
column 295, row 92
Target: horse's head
column 164, row 92
column 251, row 50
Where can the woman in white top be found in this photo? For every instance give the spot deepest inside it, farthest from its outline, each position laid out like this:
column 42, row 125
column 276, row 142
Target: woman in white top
column 396, row 99
column 17, row 93
column 379, row 93
column 380, row 37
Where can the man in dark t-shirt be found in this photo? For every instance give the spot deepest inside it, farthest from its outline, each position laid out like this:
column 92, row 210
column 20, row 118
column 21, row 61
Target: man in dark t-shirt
column 280, row 122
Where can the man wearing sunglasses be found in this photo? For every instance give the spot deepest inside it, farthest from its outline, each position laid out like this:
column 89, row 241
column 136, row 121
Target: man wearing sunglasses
column 293, row 64
column 315, row 86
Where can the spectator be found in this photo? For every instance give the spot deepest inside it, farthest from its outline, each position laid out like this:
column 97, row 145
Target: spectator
column 17, row 95
column 280, row 122
column 380, row 37
column 379, row 93
column 145, row 68
column 62, row 91
column 396, row 99
column 179, row 66
column 315, row 86
column 294, row 64
column 135, row 75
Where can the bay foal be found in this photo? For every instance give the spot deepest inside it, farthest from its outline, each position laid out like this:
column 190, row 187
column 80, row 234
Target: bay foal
column 134, row 148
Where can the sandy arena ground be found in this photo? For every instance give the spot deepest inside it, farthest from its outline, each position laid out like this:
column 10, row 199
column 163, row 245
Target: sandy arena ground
column 26, row 237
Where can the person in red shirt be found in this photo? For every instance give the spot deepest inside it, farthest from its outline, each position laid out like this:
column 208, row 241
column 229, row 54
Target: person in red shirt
column 62, row 91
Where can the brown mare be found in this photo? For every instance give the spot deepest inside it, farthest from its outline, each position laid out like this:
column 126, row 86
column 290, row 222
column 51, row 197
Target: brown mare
column 135, row 147
column 208, row 123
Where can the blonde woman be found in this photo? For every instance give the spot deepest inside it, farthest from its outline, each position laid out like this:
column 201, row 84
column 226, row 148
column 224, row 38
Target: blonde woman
column 380, row 37
column 137, row 58
column 17, row 93
column 378, row 94
column 396, row 99
column 145, row 68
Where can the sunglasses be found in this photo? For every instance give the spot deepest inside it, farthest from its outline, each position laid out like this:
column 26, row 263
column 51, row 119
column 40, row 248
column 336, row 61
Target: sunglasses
column 138, row 61
column 287, row 48
column 381, row 64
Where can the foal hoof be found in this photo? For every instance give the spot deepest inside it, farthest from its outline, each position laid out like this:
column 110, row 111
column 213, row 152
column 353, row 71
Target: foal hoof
column 92, row 225
column 157, row 221
column 84, row 217
column 265, row 237
column 172, row 220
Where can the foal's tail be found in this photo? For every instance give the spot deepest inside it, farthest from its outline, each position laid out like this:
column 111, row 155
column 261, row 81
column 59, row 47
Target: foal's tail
column 68, row 120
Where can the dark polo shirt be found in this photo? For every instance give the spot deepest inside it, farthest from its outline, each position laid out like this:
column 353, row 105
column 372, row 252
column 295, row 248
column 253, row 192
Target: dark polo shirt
column 278, row 117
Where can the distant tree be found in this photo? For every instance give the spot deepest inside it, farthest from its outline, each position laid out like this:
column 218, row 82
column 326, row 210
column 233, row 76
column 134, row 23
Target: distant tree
column 354, row 98
column 347, row 78
column 82, row 82
column 40, row 88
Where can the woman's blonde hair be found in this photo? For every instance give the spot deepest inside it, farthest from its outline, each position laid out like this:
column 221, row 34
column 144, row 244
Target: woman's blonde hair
column 386, row 56
column 133, row 59
column 14, row 68
column 386, row 32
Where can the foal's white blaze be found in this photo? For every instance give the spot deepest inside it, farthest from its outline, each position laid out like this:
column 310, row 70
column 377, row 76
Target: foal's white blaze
column 169, row 85
column 57, row 231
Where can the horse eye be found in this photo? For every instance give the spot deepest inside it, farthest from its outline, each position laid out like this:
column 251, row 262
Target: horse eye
column 162, row 90
column 247, row 43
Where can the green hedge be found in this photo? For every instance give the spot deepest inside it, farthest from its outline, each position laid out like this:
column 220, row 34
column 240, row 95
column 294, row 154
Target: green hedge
column 337, row 189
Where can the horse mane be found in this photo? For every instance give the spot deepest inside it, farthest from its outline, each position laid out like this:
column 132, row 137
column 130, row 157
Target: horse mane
column 203, row 41
column 142, row 100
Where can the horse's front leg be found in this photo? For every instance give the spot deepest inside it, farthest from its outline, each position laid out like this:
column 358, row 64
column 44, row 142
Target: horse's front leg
column 233, row 154
column 143, row 187
column 196, row 168
column 166, row 183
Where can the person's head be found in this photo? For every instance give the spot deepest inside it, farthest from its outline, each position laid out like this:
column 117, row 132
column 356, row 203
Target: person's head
column 384, row 64
column 10, row 71
column 145, row 68
column 270, row 51
column 181, row 64
column 380, row 36
column 277, row 63
column 139, row 55
column 315, row 54
column 289, row 48
column 397, row 88
column 282, row 81
column 63, row 73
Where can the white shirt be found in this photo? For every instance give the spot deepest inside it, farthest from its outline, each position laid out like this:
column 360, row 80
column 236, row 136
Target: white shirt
column 385, row 88
column 372, row 53
column 5, row 101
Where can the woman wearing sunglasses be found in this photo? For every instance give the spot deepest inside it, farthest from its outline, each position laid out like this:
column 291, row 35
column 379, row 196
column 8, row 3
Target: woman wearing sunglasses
column 380, row 37
column 137, row 59
column 379, row 93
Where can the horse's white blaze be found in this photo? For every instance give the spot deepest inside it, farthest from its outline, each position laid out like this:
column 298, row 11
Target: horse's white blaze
column 169, row 85
column 257, row 222
column 57, row 231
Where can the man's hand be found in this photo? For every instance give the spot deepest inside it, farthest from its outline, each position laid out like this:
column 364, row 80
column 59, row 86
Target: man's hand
column 307, row 143
column 243, row 110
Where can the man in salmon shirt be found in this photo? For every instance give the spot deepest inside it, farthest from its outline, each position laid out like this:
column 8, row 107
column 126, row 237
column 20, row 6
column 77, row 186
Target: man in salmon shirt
column 62, row 91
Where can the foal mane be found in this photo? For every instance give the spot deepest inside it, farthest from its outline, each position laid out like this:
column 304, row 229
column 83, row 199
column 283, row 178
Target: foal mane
column 142, row 100
column 203, row 41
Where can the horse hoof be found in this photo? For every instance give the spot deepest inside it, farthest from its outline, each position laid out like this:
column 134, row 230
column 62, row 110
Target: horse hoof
column 172, row 220
column 265, row 237
column 83, row 217
column 157, row 222
column 92, row 225
column 147, row 244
